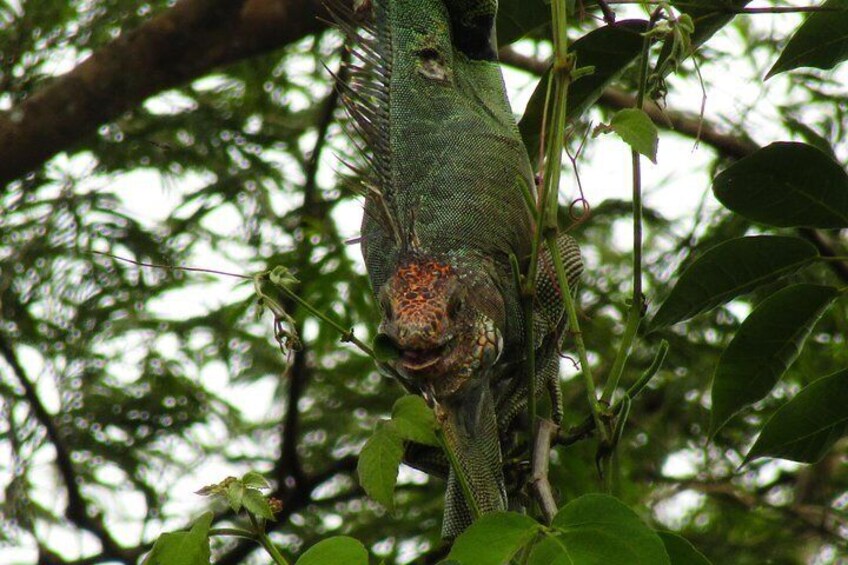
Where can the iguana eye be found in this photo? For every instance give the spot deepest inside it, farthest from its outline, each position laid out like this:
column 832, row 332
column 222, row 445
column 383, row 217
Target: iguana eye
column 455, row 305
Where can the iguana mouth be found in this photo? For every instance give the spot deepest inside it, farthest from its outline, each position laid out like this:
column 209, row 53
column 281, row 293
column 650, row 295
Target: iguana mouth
column 419, row 360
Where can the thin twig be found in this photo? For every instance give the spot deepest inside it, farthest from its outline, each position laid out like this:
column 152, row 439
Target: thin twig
column 174, row 267
column 587, row 426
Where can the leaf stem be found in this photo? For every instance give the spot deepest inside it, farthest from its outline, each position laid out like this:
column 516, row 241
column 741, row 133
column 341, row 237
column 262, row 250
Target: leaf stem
column 584, row 429
column 234, row 532
column 636, row 311
column 266, row 542
column 560, row 76
column 347, row 333
column 574, row 328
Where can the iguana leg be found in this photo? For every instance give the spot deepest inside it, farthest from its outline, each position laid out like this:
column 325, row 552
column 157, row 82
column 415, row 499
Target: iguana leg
column 427, row 459
column 514, row 401
column 550, row 322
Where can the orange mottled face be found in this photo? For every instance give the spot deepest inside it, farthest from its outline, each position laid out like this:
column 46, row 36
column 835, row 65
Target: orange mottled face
column 441, row 340
column 419, row 302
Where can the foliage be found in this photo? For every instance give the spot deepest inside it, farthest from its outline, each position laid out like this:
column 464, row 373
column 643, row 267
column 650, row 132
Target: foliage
column 128, row 382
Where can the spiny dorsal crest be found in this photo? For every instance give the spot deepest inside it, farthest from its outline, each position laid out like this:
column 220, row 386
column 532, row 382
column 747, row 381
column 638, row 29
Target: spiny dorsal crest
column 366, row 97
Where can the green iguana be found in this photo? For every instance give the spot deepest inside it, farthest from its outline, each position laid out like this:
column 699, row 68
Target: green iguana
column 444, row 212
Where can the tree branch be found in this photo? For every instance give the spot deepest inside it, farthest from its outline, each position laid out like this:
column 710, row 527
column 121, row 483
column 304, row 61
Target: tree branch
column 539, row 482
column 692, row 126
column 77, row 510
column 178, row 45
column 821, row 519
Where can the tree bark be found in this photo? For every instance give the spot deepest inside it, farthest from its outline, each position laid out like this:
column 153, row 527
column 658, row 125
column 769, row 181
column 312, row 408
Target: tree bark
column 178, row 45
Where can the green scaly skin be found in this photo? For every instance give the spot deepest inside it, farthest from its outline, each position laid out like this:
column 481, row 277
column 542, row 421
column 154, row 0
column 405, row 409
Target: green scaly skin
column 444, row 213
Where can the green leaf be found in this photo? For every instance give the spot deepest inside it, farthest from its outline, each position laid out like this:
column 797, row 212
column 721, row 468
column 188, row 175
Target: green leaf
column 731, row 269
column 518, row 18
column 494, row 539
column 610, row 50
column 807, row 426
column 786, row 184
column 378, row 464
column 256, row 503
column 820, row 42
column 413, row 420
column 637, row 130
column 254, row 480
column 597, row 528
column 281, row 277
column 767, row 343
column 680, row 551
column 338, row 550
column 550, row 551
column 183, row 548
column 235, row 495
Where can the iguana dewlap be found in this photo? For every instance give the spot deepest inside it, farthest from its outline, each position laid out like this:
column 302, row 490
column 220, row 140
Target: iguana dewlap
column 444, row 213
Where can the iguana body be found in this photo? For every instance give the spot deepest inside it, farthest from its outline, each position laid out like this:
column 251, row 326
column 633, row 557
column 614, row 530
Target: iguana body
column 444, row 213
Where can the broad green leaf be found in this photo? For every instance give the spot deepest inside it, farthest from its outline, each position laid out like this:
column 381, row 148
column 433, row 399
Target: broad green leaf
column 550, row 551
column 637, row 130
column 183, row 548
column 413, row 420
column 378, row 464
column 494, row 539
column 731, row 269
column 338, row 550
column 252, row 479
column 518, row 18
column 820, row 42
column 806, row 427
column 610, row 50
column 786, row 184
column 680, row 551
column 597, row 528
column 256, row 503
column 767, row 343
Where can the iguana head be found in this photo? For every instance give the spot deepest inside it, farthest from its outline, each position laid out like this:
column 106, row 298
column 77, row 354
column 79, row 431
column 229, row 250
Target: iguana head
column 432, row 315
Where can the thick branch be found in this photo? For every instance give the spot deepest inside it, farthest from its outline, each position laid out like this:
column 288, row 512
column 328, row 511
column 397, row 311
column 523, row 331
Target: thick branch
column 180, row 44
column 683, row 123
